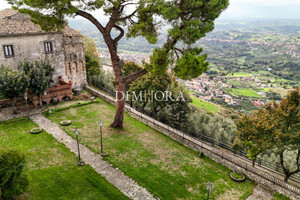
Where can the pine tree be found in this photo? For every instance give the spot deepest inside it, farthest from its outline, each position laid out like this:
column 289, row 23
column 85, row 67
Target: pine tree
column 187, row 21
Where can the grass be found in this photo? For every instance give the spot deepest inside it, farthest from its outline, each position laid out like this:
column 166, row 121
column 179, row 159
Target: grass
column 198, row 103
column 278, row 196
column 165, row 167
column 191, row 92
column 236, row 83
column 265, row 89
column 241, row 61
column 237, row 175
column 283, row 92
column 52, row 168
column 243, row 92
column 264, row 72
column 262, row 89
column 239, row 74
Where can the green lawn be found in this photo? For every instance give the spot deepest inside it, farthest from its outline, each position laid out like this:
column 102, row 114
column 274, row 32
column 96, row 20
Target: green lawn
column 52, row 168
column 236, row 83
column 239, row 74
column 264, row 72
column 166, row 168
column 241, row 61
column 198, row 103
column 278, row 196
column 262, row 89
column 243, row 92
column 283, row 92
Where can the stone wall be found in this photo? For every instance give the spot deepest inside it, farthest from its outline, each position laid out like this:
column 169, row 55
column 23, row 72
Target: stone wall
column 75, row 69
column 67, row 58
column 231, row 161
column 31, row 48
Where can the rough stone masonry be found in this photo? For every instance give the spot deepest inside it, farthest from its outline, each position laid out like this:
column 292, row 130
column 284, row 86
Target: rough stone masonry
column 20, row 40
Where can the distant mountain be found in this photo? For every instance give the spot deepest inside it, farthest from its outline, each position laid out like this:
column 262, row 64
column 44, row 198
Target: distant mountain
column 277, row 26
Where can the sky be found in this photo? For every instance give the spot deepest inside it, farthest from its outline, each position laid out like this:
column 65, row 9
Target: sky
column 271, row 9
column 241, row 9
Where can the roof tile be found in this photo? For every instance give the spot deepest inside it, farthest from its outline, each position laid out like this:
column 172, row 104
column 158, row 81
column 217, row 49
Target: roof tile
column 21, row 25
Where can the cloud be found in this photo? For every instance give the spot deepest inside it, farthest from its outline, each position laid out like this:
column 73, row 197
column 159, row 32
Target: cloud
column 266, row 2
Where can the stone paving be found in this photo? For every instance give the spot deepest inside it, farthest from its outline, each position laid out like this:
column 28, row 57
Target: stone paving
column 260, row 193
column 113, row 175
column 6, row 113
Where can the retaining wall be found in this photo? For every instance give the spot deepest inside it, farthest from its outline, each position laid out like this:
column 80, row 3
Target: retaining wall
column 229, row 160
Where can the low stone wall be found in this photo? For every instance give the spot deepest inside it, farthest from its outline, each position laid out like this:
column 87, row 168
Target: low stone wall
column 5, row 103
column 229, row 160
column 8, row 103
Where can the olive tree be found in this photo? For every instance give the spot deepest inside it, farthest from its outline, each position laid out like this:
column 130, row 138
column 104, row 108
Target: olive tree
column 12, row 84
column 39, row 75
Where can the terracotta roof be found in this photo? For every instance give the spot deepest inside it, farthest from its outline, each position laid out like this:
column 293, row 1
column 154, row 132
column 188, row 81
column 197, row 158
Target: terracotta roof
column 14, row 23
column 7, row 12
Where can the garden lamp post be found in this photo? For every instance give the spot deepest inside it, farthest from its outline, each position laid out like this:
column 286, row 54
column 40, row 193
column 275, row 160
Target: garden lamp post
column 45, row 93
column 208, row 187
column 103, row 154
column 26, row 97
column 80, row 162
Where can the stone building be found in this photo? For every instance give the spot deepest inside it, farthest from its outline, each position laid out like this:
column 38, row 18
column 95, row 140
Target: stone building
column 20, row 40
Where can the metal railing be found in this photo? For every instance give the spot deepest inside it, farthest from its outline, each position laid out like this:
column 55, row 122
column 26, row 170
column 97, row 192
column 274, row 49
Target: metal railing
column 243, row 154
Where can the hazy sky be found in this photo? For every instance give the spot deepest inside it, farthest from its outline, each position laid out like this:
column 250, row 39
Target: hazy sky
column 251, row 9
column 262, row 9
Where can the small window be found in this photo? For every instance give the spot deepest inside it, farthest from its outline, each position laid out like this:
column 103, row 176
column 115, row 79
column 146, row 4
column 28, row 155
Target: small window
column 8, row 51
column 48, row 47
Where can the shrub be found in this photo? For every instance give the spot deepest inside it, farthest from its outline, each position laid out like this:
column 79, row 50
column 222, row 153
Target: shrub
column 13, row 182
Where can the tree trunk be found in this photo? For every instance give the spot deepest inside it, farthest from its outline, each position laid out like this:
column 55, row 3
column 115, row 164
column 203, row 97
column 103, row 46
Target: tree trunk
column 143, row 106
column 40, row 100
column 131, row 102
column 117, row 63
column 155, row 111
column 286, row 172
column 286, row 177
column 253, row 162
column 14, row 102
column 119, row 116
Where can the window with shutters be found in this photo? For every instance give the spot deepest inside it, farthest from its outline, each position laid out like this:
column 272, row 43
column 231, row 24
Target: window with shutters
column 48, row 47
column 8, row 51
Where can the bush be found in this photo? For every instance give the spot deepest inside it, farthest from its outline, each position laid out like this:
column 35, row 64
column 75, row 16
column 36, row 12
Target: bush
column 13, row 182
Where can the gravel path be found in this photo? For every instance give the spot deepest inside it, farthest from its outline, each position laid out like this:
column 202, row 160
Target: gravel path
column 260, row 193
column 116, row 177
column 7, row 113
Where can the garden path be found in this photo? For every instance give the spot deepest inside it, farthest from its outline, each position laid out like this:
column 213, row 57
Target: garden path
column 116, row 177
column 260, row 193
